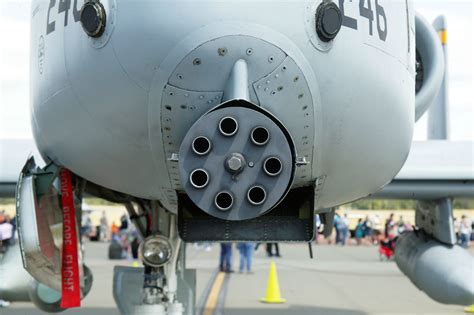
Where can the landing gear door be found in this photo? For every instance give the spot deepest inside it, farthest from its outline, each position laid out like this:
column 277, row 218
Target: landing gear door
column 39, row 217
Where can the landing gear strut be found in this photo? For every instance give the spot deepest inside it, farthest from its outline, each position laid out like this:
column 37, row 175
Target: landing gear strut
column 163, row 286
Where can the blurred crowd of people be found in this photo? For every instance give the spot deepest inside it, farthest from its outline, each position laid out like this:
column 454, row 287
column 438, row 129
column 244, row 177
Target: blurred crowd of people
column 7, row 231
column 125, row 240
column 123, row 237
column 464, row 230
column 370, row 230
column 101, row 232
column 7, row 238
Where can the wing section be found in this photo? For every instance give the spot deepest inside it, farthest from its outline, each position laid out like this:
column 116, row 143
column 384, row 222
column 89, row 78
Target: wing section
column 434, row 169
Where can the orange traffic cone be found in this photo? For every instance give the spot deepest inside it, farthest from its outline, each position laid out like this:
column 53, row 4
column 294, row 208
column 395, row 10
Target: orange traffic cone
column 273, row 289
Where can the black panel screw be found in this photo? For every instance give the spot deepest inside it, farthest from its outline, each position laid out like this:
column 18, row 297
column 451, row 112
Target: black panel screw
column 328, row 21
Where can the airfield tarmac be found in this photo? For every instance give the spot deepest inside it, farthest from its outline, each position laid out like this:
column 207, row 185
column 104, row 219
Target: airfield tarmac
column 338, row 281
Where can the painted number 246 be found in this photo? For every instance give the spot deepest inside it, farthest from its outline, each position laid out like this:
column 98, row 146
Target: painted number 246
column 63, row 6
column 366, row 11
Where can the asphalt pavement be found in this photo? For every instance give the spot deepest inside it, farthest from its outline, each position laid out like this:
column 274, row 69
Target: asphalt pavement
column 339, row 280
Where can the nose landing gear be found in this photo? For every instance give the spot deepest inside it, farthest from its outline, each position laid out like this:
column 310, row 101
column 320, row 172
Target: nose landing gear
column 163, row 286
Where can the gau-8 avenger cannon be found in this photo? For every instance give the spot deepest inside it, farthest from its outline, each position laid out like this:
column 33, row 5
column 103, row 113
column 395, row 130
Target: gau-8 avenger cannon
column 212, row 121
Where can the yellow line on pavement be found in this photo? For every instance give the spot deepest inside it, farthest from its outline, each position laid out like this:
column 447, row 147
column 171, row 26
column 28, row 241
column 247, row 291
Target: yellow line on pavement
column 214, row 294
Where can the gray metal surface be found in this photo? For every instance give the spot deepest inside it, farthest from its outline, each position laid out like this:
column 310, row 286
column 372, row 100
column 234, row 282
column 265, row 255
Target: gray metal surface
column 38, row 229
column 187, row 290
column 163, row 64
column 46, row 299
column 287, row 92
column 434, row 169
column 17, row 285
column 431, row 53
column 220, row 179
column 439, row 160
column 13, row 154
column 426, row 189
column 443, row 272
column 127, row 288
column 295, row 213
column 435, row 218
column 15, row 281
column 128, row 285
column 116, row 85
column 268, row 72
column 238, row 81
column 438, row 115
column 181, row 109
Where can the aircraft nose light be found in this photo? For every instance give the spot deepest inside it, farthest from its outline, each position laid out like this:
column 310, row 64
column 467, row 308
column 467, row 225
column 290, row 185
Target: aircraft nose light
column 93, row 18
column 328, row 21
column 155, row 251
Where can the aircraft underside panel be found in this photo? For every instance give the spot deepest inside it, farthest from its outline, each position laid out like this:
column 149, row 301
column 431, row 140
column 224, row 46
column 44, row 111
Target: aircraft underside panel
column 292, row 220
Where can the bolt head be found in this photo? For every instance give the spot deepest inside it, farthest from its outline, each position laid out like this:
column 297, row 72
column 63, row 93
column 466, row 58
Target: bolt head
column 234, row 163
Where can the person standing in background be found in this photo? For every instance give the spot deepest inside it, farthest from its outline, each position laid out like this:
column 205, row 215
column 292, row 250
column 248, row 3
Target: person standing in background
column 104, row 225
column 14, row 225
column 114, row 229
column 86, row 225
column 344, row 229
column 317, row 223
column 246, row 253
column 338, row 227
column 389, row 224
column 367, row 228
column 457, row 226
column 123, row 223
column 400, row 226
column 225, row 262
column 270, row 250
column 472, row 230
column 6, row 233
column 376, row 229
column 465, row 230
column 359, row 232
